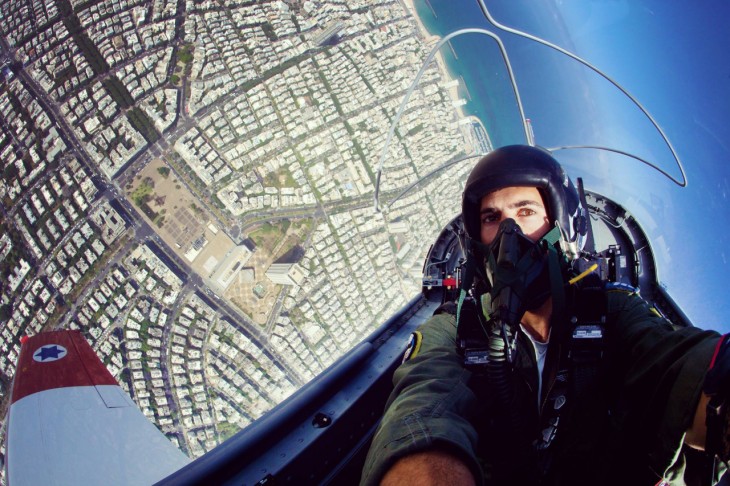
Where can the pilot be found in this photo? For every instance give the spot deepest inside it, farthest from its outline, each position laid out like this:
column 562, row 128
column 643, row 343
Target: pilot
column 543, row 375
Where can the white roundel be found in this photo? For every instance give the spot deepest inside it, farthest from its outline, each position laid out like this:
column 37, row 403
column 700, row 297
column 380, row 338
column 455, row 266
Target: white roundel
column 49, row 353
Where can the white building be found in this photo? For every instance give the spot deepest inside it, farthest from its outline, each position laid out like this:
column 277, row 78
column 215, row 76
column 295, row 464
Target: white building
column 285, row 273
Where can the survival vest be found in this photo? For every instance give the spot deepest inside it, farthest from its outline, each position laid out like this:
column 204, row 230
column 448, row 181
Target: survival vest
column 582, row 340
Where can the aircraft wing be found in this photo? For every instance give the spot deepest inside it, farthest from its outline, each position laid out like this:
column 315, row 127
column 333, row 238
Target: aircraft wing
column 70, row 422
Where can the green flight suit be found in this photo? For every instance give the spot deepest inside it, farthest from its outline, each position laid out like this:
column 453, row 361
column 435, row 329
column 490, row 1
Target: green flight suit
column 629, row 430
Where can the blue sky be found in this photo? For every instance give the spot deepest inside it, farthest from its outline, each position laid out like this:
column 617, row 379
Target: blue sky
column 672, row 56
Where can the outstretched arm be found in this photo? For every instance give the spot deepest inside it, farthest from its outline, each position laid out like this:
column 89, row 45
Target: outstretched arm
column 429, row 468
column 710, row 430
column 663, row 369
column 428, row 413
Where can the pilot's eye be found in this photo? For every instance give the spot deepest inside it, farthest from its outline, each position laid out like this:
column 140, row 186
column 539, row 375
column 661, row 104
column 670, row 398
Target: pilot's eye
column 490, row 218
column 524, row 212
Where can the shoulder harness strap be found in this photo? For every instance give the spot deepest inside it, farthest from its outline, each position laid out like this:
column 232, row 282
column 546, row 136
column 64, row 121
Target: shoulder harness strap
column 586, row 345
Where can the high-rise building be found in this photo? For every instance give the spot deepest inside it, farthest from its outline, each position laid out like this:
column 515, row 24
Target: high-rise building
column 285, row 273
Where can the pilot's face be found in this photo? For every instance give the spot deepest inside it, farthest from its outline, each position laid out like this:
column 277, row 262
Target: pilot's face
column 523, row 204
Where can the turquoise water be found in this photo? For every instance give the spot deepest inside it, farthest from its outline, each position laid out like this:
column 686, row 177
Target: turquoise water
column 477, row 62
column 641, row 47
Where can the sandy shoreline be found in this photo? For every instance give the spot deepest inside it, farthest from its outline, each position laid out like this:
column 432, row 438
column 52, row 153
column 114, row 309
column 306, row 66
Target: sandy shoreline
column 430, row 40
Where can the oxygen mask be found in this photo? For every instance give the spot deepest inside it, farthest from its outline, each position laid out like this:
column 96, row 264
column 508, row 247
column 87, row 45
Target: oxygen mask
column 516, row 270
column 516, row 274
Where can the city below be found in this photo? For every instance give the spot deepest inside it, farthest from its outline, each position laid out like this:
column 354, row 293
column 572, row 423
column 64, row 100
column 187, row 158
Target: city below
column 190, row 184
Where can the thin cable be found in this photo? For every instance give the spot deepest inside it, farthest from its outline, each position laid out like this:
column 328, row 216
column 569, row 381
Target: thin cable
column 432, row 54
column 608, row 221
column 627, row 154
column 587, row 272
column 426, row 63
column 683, row 182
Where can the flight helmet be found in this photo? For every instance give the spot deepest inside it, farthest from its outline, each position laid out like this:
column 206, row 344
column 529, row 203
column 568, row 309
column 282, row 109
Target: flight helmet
column 527, row 166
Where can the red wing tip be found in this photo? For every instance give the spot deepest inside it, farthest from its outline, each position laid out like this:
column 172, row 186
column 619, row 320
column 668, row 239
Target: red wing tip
column 57, row 359
column 23, row 339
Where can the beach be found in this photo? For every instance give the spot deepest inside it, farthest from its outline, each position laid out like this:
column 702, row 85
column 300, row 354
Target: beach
column 464, row 120
column 430, row 41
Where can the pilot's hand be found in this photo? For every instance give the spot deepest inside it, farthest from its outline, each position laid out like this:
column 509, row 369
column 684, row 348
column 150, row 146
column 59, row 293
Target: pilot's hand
column 429, row 468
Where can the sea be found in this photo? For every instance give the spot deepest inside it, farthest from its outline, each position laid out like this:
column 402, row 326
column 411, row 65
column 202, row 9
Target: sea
column 570, row 105
column 477, row 62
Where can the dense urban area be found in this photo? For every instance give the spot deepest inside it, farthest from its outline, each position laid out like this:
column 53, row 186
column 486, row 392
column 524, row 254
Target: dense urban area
column 190, row 184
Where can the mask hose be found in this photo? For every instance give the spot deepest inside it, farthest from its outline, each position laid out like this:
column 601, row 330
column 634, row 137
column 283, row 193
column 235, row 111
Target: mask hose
column 515, row 270
column 513, row 262
column 523, row 274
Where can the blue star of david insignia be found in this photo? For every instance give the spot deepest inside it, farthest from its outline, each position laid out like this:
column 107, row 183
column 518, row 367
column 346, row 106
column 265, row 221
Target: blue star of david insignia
column 50, row 352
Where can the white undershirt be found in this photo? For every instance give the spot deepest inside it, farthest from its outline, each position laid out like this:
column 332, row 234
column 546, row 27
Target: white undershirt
column 540, row 353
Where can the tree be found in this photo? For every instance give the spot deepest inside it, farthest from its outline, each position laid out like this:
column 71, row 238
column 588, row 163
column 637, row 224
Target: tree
column 5, row 312
column 10, row 172
column 185, row 56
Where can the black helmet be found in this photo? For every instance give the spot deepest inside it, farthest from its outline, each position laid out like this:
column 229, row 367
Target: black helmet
column 526, row 166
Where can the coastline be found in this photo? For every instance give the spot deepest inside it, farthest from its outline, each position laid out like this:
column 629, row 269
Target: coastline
column 486, row 145
column 430, row 41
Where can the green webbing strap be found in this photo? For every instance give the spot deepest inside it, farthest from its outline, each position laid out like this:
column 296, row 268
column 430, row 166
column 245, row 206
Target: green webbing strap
column 552, row 236
column 557, row 288
column 462, row 296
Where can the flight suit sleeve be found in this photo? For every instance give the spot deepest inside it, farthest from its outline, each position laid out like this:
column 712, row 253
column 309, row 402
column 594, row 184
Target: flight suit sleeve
column 661, row 371
column 429, row 407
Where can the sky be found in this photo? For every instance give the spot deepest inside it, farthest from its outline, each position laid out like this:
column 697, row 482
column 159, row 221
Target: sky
column 672, row 57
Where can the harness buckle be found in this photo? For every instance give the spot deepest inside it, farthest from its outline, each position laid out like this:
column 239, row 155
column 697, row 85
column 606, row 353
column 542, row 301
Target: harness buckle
column 587, row 343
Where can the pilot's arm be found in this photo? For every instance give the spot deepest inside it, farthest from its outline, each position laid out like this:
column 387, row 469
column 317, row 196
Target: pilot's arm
column 663, row 373
column 712, row 433
column 426, row 424
column 429, row 468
